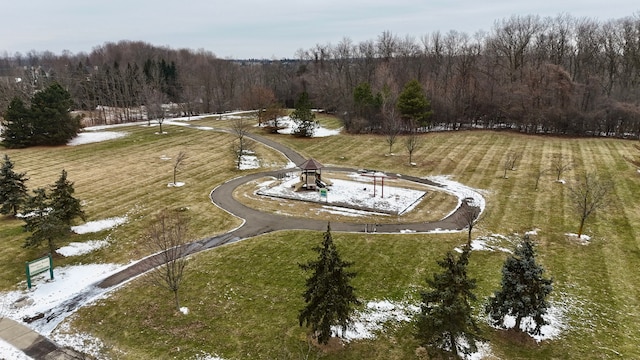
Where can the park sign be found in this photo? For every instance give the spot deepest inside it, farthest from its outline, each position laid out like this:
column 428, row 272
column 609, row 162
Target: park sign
column 323, row 193
column 39, row 266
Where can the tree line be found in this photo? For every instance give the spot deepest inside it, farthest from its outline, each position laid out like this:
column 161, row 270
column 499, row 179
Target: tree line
column 556, row 75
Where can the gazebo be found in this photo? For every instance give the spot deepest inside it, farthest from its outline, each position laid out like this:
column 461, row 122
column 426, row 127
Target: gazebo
column 311, row 176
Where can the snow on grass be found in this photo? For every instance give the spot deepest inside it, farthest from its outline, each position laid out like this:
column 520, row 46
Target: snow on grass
column 289, row 125
column 583, row 239
column 248, row 161
column 88, row 137
column 493, row 242
column 378, row 315
column 99, row 225
column 84, row 342
column 175, row 184
column 556, row 318
column 370, row 321
column 461, row 191
column 533, row 232
column 351, row 193
column 9, row 352
column 184, row 310
column 81, row 248
column 46, row 294
column 205, row 356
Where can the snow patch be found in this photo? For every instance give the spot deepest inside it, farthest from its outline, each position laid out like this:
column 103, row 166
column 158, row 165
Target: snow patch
column 176, row 184
column 352, row 193
column 372, row 319
column 462, row 192
column 556, row 318
column 583, row 239
column 95, row 136
column 184, row 310
column 99, row 225
column 248, row 161
column 7, row 351
column 46, row 294
column 81, row 248
column 288, row 125
column 533, row 232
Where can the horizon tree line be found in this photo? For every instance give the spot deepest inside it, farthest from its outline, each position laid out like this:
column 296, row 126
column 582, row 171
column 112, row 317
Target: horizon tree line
column 558, row 75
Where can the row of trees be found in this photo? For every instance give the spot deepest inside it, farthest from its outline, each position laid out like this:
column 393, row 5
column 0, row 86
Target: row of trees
column 560, row 75
column 446, row 324
column 47, row 214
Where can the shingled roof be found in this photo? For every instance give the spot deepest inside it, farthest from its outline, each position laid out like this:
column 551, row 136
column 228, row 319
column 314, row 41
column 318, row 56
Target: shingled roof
column 310, row 164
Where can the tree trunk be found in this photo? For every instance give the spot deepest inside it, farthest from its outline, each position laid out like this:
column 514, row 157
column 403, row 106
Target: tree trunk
column 175, row 296
column 518, row 321
column 581, row 227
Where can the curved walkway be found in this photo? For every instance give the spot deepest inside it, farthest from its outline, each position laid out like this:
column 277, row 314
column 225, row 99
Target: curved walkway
column 255, row 223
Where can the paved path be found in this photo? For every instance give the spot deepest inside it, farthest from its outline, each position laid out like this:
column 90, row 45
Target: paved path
column 255, row 223
column 33, row 344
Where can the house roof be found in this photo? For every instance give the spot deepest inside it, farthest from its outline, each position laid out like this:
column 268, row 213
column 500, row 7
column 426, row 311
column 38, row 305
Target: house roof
column 310, row 164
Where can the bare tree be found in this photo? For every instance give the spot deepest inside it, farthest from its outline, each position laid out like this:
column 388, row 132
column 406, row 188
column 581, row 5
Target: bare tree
column 511, row 160
column 411, row 143
column 391, row 128
column 468, row 215
column 240, row 128
column 588, row 194
column 167, row 235
column 182, row 156
column 559, row 165
column 537, row 174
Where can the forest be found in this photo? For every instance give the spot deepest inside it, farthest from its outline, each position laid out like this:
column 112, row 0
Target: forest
column 555, row 75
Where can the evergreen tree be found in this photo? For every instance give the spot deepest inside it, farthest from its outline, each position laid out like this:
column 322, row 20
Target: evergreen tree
column 46, row 122
column 523, row 290
column 445, row 324
column 17, row 124
column 367, row 105
column 63, row 204
column 53, row 124
column 13, row 191
column 42, row 222
column 303, row 117
column 329, row 296
column 414, row 105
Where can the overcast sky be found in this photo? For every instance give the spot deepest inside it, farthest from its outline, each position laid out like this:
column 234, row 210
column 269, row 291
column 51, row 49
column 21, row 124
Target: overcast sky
column 265, row 28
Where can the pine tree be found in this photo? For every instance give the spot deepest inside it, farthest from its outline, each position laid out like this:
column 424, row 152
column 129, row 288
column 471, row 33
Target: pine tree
column 52, row 122
column 46, row 122
column 329, row 296
column 523, row 290
column 17, row 124
column 42, row 222
column 413, row 104
column 445, row 324
column 13, row 191
column 303, row 117
column 63, row 204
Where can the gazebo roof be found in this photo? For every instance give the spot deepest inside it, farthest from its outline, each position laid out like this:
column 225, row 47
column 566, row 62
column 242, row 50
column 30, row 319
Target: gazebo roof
column 310, row 164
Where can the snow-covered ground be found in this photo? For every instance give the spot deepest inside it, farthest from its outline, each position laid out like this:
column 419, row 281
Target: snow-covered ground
column 357, row 193
column 289, row 125
column 87, row 137
column 99, row 225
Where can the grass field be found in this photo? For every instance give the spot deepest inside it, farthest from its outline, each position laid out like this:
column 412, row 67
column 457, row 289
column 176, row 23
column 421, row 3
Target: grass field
column 244, row 297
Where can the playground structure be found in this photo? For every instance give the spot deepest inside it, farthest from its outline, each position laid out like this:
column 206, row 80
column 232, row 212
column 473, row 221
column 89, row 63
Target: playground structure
column 377, row 175
column 311, row 176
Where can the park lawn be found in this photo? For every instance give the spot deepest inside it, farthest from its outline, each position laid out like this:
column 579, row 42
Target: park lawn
column 128, row 177
column 257, row 319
